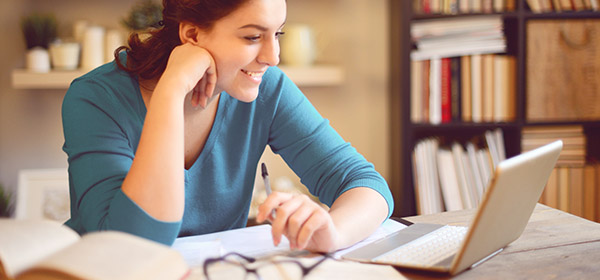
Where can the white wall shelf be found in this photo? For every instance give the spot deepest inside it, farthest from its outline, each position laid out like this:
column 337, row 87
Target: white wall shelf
column 319, row 75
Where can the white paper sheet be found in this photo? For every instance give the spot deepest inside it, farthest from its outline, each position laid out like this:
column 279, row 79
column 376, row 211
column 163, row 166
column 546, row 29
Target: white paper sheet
column 254, row 241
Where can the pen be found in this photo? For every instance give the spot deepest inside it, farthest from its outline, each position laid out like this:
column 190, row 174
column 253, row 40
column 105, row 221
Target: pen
column 265, row 176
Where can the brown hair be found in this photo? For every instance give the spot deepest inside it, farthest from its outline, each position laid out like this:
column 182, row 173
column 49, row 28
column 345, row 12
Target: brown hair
column 148, row 58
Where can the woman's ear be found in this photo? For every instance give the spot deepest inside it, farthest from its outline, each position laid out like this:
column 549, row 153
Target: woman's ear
column 189, row 33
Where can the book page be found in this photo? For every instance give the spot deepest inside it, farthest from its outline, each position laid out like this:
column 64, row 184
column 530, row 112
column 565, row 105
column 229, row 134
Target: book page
column 24, row 242
column 112, row 255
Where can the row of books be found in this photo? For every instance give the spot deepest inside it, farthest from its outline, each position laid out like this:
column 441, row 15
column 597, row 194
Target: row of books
column 457, row 36
column 574, row 189
column 462, row 6
column 574, row 141
column 453, row 177
column 476, row 88
column 545, row 6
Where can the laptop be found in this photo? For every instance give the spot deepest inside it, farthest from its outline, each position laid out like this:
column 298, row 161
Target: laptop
column 505, row 209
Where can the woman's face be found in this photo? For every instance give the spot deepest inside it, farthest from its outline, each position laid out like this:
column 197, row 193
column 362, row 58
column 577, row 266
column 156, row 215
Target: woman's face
column 244, row 44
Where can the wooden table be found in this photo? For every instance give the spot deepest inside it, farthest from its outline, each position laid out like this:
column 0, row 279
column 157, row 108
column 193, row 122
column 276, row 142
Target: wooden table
column 554, row 245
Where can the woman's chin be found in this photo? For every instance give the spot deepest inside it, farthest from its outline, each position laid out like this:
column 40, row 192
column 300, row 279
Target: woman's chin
column 246, row 96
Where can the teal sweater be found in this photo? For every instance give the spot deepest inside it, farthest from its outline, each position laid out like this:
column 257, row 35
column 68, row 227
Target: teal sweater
column 103, row 115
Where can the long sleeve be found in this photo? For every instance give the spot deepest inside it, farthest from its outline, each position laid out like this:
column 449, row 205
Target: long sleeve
column 326, row 164
column 101, row 136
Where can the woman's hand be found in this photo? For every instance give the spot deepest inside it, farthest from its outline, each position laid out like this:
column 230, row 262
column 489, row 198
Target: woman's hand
column 191, row 69
column 305, row 223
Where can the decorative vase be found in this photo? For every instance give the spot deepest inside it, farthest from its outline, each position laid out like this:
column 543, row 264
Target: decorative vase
column 65, row 55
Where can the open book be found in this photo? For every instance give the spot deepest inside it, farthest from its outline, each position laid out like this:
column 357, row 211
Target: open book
column 49, row 250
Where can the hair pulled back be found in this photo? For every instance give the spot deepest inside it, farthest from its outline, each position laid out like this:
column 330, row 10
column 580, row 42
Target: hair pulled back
column 148, row 58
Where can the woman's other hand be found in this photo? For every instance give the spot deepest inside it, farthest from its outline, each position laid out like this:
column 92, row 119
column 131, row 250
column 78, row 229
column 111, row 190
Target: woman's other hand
column 306, row 224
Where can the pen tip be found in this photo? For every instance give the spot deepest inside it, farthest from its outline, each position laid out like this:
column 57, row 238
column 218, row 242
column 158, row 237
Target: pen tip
column 263, row 167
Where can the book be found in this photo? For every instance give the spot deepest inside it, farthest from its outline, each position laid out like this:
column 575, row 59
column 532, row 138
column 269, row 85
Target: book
column 490, row 140
column 468, row 191
column 485, row 165
column 50, row 250
column 551, row 190
column 504, row 88
column 556, row 5
column 416, row 95
column 475, row 172
column 500, row 88
column 573, row 137
column 455, row 88
column 454, row 197
column 589, row 192
column 465, row 90
column 435, row 91
column 563, row 189
column 511, row 5
column 576, row 190
column 488, row 87
column 458, row 36
column 463, row 6
column 426, row 179
column 546, row 5
column 566, row 5
column 476, row 88
column 535, row 6
column 446, row 91
column 578, row 5
column 425, row 91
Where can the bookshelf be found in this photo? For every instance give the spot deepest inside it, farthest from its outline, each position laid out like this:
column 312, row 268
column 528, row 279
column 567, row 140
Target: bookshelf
column 405, row 134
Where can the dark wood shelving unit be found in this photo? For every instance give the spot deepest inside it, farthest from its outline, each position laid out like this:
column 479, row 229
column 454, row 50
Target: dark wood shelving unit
column 405, row 134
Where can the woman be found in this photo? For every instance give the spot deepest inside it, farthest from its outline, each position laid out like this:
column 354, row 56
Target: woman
column 164, row 141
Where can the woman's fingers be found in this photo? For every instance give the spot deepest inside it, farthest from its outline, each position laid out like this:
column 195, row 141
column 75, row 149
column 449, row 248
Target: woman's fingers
column 297, row 220
column 211, row 78
column 204, row 89
column 317, row 221
column 272, row 202
column 280, row 224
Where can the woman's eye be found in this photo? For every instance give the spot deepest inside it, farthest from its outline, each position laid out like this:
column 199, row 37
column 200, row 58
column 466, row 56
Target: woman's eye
column 253, row 38
column 279, row 34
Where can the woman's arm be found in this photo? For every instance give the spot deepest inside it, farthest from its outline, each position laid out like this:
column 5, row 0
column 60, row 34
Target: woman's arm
column 357, row 213
column 331, row 169
column 155, row 181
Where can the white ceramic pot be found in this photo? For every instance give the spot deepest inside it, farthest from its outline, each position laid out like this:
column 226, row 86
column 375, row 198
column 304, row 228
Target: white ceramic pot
column 65, row 55
column 37, row 60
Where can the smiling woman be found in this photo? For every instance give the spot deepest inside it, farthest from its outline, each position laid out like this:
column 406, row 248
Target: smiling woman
column 165, row 140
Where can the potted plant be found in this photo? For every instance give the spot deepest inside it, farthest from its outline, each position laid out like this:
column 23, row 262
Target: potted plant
column 143, row 15
column 6, row 205
column 39, row 31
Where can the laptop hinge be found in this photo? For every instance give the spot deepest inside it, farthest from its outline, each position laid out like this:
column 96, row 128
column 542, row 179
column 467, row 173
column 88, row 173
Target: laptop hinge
column 487, row 258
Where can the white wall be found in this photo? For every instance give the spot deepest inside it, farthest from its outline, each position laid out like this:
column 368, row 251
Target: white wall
column 353, row 33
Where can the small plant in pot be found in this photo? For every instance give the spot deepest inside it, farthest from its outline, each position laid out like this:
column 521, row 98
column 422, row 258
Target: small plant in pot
column 39, row 31
column 144, row 15
column 6, row 205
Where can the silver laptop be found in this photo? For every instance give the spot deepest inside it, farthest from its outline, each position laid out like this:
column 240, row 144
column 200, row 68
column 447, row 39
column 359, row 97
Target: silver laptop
column 504, row 211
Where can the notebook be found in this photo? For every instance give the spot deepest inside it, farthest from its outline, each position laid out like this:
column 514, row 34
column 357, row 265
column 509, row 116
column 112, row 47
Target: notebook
column 504, row 211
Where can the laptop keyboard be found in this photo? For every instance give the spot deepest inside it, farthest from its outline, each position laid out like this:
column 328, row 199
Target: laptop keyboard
column 427, row 250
